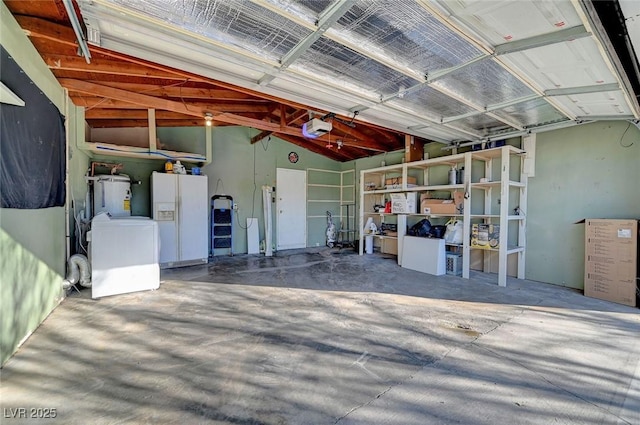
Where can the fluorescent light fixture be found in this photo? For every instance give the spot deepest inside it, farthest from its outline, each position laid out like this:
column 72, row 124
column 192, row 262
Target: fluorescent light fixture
column 7, row 96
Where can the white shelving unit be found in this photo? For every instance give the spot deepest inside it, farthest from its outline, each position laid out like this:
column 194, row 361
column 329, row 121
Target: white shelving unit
column 494, row 189
column 336, row 193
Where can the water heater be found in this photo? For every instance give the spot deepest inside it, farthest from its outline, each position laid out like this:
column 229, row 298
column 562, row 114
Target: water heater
column 112, row 194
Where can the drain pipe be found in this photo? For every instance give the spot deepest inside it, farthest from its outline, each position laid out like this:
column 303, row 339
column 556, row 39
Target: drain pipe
column 78, row 271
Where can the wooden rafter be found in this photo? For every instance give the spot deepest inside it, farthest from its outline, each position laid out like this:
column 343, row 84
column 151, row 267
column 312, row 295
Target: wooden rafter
column 181, row 92
column 170, row 105
column 315, row 146
column 121, row 88
column 292, row 118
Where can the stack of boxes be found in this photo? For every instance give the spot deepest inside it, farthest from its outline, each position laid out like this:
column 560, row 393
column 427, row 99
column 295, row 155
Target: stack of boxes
column 611, row 260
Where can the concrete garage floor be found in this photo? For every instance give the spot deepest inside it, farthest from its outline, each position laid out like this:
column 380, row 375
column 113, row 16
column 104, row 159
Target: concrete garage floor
column 329, row 337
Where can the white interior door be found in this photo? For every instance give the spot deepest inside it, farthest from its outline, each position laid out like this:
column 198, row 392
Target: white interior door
column 291, row 208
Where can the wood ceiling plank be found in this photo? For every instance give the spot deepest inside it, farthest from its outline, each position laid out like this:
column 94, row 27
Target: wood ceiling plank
column 76, row 63
column 192, row 122
column 178, row 91
column 91, row 102
column 50, row 9
column 134, row 114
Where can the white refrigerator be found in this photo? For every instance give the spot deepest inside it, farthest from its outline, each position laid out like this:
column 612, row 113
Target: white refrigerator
column 181, row 208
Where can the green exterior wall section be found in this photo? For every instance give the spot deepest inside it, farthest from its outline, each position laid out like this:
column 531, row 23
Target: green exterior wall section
column 581, row 172
column 32, row 242
column 32, row 258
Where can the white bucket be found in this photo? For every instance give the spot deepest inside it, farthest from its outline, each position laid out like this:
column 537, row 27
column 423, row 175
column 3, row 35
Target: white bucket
column 368, row 244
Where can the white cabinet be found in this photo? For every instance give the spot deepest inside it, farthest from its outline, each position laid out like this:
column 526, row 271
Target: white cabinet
column 494, row 192
column 181, row 208
column 124, row 255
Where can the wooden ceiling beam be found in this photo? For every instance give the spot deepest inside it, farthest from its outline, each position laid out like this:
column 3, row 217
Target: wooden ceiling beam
column 169, row 105
column 134, row 114
column 191, row 122
column 91, row 102
column 102, row 66
column 315, row 146
column 177, row 91
column 291, row 118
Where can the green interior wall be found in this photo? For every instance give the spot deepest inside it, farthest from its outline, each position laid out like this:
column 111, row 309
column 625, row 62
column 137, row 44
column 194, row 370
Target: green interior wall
column 581, row 172
column 32, row 242
column 232, row 173
column 139, row 170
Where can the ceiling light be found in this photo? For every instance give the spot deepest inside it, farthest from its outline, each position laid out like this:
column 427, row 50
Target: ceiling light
column 208, row 118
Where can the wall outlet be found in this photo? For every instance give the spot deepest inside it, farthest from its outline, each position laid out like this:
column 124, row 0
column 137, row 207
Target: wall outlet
column 235, row 206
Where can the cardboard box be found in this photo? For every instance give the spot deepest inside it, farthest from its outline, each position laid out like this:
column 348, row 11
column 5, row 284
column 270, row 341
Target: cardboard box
column 485, row 236
column 611, row 260
column 403, row 203
column 441, row 206
column 396, row 182
column 389, row 246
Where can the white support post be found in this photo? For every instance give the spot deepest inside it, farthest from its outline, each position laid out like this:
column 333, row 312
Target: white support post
column 522, row 223
column 361, row 214
column 488, row 196
column 151, row 118
column 466, row 218
column 208, row 141
column 504, row 216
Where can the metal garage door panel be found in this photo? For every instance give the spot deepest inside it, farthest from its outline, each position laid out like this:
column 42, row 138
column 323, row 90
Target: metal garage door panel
column 341, row 66
column 597, row 104
column 237, row 23
column 537, row 111
column 508, row 20
column 428, row 101
column 409, row 36
column 569, row 64
column 484, row 83
column 482, row 123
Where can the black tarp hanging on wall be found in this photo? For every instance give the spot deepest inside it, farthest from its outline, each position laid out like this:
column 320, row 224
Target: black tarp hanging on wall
column 32, row 144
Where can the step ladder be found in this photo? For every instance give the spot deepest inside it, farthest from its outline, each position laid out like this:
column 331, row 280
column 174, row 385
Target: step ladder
column 221, row 224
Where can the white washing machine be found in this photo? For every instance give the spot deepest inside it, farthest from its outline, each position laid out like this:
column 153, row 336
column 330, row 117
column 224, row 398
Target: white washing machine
column 124, row 255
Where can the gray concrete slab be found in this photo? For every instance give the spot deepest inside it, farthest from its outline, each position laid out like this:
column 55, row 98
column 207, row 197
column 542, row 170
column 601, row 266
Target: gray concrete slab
column 328, row 337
